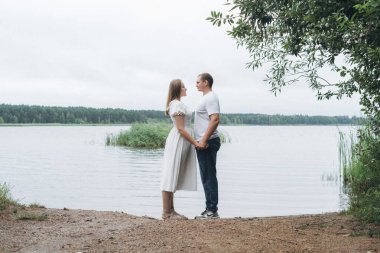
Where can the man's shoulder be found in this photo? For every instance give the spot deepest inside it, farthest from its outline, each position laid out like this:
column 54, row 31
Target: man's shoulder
column 211, row 96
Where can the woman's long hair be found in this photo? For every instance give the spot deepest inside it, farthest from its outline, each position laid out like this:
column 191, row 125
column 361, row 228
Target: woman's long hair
column 174, row 93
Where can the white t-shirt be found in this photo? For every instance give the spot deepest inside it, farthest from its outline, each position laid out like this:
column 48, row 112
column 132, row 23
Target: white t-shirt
column 208, row 105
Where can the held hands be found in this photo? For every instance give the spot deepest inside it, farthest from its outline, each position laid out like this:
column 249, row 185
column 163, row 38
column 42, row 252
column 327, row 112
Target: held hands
column 200, row 145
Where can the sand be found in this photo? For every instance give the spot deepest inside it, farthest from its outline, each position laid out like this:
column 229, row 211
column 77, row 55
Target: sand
column 96, row 231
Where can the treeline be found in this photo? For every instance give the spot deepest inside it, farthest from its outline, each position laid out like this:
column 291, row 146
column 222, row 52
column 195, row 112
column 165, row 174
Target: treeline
column 74, row 115
column 263, row 119
column 25, row 114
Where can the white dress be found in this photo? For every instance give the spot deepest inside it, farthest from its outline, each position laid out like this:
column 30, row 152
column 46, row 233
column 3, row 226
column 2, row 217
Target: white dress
column 180, row 168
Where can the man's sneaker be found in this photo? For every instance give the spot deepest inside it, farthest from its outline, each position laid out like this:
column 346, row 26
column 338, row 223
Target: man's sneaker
column 207, row 214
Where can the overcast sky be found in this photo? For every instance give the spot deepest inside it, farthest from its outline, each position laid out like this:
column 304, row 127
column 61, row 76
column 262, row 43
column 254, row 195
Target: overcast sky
column 123, row 54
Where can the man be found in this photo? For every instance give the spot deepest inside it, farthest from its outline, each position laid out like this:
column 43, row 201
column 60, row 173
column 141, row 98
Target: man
column 205, row 129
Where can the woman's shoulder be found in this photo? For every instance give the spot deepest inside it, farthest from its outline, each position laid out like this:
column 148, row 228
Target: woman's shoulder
column 176, row 102
column 177, row 106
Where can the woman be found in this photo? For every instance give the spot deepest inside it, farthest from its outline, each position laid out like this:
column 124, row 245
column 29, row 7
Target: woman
column 179, row 171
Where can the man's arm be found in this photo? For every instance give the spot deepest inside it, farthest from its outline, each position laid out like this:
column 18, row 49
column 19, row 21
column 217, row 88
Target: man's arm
column 212, row 125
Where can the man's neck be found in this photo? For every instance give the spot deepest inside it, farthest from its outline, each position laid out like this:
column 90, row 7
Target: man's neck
column 205, row 92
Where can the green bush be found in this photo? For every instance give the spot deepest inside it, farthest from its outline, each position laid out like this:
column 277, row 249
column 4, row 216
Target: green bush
column 148, row 135
column 142, row 135
column 363, row 177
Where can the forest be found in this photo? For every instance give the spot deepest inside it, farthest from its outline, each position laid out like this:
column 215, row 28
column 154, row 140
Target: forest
column 33, row 114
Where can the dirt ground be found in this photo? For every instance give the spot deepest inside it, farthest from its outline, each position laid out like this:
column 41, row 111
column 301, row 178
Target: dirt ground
column 94, row 231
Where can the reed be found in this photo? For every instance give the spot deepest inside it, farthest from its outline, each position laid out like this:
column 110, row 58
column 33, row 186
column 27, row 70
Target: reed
column 224, row 136
column 6, row 199
column 347, row 156
column 360, row 168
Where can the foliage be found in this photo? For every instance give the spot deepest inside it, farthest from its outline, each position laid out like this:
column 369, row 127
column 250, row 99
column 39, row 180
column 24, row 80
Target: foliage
column 81, row 115
column 361, row 164
column 300, row 38
column 6, row 199
column 142, row 135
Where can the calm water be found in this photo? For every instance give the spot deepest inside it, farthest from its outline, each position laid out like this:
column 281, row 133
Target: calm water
column 264, row 171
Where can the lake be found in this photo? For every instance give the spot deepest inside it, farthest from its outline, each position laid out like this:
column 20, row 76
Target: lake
column 263, row 171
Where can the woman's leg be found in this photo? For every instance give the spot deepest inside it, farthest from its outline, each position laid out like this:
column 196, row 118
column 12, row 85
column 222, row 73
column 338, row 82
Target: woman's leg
column 166, row 204
column 172, row 210
column 172, row 203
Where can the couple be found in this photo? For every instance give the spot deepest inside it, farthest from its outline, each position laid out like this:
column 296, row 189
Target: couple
column 182, row 150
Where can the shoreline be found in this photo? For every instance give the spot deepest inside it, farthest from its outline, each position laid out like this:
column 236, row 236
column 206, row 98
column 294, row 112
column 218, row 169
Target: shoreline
column 65, row 230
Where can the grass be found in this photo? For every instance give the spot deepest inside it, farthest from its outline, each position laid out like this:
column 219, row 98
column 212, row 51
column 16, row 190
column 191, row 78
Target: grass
column 347, row 155
column 6, row 199
column 10, row 206
column 31, row 216
column 360, row 168
column 347, row 159
column 37, row 206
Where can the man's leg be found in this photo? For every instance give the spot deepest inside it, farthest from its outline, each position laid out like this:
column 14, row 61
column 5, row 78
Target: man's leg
column 207, row 166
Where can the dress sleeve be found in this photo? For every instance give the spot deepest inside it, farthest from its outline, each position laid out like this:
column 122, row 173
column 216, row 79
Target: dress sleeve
column 177, row 108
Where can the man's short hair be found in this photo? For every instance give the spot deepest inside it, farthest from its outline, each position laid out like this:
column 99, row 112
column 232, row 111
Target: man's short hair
column 207, row 77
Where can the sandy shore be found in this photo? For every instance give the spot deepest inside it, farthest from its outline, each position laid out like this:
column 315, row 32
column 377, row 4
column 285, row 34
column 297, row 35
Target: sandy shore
column 94, row 231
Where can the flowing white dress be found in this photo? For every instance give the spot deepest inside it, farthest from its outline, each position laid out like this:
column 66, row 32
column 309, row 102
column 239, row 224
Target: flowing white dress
column 180, row 168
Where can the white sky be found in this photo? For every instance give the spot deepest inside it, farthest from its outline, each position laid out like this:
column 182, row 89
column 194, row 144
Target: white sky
column 123, row 54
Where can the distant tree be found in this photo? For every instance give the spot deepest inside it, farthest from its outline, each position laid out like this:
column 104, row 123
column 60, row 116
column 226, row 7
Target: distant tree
column 82, row 115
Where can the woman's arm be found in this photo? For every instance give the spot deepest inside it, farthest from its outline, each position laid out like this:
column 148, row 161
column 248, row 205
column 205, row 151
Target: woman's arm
column 180, row 123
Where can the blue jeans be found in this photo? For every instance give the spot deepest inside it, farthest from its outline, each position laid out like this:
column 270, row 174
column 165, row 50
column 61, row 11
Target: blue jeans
column 207, row 167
